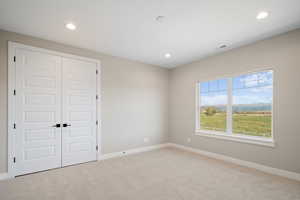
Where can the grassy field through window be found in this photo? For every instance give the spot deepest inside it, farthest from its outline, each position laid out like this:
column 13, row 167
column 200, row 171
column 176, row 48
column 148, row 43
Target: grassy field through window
column 246, row 123
column 256, row 124
column 215, row 122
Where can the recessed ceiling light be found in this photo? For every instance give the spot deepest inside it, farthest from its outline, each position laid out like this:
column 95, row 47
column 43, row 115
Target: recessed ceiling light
column 70, row 26
column 262, row 15
column 167, row 55
column 160, row 18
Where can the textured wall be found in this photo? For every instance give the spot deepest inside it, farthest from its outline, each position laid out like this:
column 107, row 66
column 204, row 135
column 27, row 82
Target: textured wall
column 139, row 100
column 282, row 53
column 134, row 98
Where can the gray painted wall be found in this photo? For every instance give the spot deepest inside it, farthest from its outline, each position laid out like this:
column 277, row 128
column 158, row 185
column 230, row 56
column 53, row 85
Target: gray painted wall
column 134, row 98
column 282, row 53
column 140, row 100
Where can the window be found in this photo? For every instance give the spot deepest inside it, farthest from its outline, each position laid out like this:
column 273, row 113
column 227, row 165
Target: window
column 213, row 98
column 238, row 107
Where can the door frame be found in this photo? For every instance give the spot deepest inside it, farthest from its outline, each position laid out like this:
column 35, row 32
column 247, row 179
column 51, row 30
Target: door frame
column 11, row 131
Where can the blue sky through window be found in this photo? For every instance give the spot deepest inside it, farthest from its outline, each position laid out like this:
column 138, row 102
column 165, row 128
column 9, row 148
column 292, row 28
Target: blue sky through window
column 253, row 88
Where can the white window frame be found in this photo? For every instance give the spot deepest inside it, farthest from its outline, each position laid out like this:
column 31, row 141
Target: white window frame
column 228, row 135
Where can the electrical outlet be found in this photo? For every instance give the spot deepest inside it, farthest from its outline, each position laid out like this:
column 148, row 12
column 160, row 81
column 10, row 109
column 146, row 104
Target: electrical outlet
column 146, row 139
column 188, row 140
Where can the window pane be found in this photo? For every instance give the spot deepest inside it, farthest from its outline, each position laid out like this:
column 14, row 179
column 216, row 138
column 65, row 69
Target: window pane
column 222, row 84
column 204, row 87
column 213, row 85
column 252, row 104
column 213, row 105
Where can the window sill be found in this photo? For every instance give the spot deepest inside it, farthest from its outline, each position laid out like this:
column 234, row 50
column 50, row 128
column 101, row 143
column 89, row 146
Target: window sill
column 269, row 142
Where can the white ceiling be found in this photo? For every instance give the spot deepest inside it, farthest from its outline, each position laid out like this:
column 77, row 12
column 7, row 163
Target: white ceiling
column 191, row 30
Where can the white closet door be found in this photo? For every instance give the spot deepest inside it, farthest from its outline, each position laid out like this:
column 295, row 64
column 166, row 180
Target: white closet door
column 79, row 112
column 38, row 106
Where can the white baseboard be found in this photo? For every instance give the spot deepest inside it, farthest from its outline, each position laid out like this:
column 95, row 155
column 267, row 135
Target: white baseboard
column 5, row 176
column 264, row 168
column 267, row 169
column 133, row 151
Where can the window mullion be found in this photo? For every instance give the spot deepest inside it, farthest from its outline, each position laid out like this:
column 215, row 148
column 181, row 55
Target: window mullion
column 229, row 106
column 198, row 106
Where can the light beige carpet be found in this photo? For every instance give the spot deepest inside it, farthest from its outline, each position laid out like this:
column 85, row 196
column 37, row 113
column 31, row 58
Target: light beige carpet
column 166, row 174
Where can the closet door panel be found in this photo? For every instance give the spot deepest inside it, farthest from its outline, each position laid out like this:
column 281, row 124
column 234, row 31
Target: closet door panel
column 79, row 111
column 38, row 110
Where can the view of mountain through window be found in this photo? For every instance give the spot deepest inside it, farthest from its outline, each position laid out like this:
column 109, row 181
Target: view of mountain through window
column 249, row 97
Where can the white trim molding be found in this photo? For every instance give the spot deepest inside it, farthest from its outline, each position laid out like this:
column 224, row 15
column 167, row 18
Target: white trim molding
column 5, row 176
column 260, row 167
column 269, row 142
column 133, row 151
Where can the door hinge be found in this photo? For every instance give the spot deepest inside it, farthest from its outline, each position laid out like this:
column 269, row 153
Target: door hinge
column 97, row 97
column 14, row 159
column 96, row 71
column 15, row 59
column 96, row 147
column 15, row 92
column 15, row 126
column 97, row 122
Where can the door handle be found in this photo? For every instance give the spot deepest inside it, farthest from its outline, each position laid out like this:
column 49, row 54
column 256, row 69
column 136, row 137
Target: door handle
column 56, row 125
column 65, row 125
